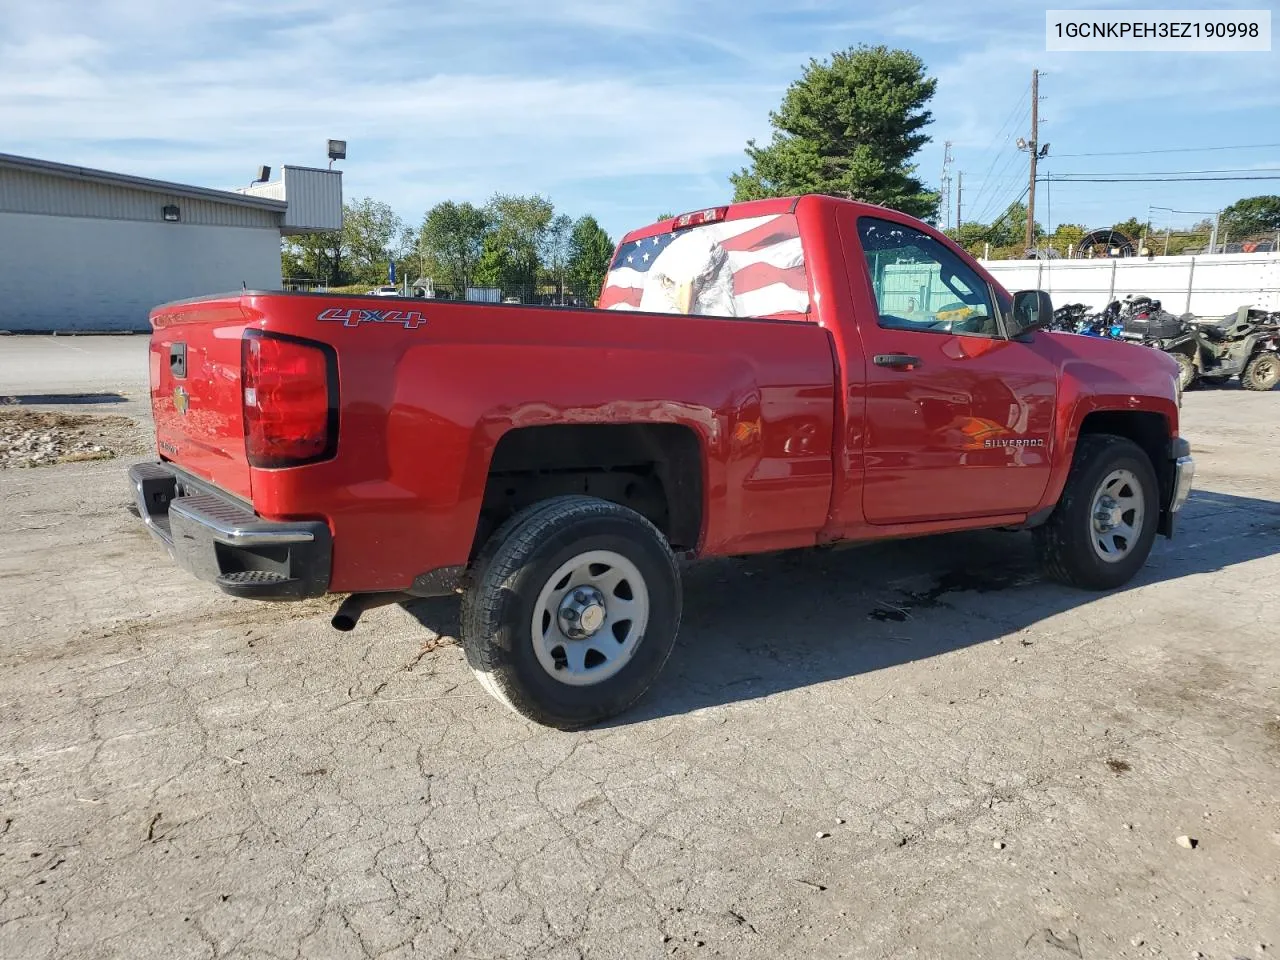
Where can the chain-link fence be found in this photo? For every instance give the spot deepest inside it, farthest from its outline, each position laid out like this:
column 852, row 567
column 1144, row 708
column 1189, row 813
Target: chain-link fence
column 540, row 294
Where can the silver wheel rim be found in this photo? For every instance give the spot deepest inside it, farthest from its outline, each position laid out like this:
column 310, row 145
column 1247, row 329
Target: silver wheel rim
column 1115, row 522
column 590, row 618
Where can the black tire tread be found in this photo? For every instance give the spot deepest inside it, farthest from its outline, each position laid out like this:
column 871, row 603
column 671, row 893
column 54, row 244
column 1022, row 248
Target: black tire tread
column 503, row 555
column 1053, row 547
column 1187, row 373
column 1247, row 379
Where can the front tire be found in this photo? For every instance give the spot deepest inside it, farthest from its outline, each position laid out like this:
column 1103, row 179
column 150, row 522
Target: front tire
column 573, row 611
column 1262, row 372
column 1102, row 529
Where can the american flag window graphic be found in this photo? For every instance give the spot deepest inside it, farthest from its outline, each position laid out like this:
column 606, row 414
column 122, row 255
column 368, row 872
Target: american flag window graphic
column 736, row 268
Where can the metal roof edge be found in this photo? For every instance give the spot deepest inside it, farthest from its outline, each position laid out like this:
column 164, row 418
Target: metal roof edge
column 296, row 166
column 71, row 172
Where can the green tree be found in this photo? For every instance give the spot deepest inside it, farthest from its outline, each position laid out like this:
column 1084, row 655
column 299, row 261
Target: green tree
column 555, row 251
column 371, row 237
column 850, row 128
column 1133, row 228
column 313, row 256
column 971, row 236
column 494, row 263
column 666, row 216
column 452, row 238
column 1010, row 228
column 590, row 252
column 1252, row 215
column 1067, row 236
column 513, row 248
column 1006, row 235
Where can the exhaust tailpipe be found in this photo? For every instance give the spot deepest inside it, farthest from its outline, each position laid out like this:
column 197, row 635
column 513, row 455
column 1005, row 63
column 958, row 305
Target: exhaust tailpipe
column 348, row 613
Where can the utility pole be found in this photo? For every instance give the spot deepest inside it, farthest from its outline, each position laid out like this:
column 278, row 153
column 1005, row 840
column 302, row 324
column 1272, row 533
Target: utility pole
column 959, row 197
column 1033, row 148
column 946, row 185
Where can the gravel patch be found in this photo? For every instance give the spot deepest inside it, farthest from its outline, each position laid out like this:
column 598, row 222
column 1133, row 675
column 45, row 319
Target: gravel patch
column 31, row 438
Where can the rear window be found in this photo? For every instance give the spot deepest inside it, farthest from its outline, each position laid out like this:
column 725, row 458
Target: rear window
column 737, row 268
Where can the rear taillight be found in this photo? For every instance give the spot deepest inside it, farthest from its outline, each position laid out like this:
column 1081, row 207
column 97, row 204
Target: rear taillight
column 290, row 399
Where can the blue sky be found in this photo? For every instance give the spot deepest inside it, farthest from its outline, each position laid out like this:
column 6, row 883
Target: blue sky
column 620, row 109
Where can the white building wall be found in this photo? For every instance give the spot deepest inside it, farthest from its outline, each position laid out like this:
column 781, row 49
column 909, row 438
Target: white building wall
column 1208, row 286
column 78, row 273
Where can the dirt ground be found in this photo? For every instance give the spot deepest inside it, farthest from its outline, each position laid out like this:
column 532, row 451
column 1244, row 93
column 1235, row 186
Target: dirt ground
column 43, row 438
column 916, row 749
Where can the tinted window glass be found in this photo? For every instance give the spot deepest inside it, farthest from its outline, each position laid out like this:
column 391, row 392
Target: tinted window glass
column 921, row 285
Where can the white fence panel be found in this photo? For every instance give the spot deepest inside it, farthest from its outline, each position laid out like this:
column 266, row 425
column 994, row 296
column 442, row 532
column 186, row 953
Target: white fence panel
column 1209, row 286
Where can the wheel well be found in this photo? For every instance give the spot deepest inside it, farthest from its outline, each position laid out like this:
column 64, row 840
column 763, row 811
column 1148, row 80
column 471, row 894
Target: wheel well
column 1148, row 430
column 655, row 469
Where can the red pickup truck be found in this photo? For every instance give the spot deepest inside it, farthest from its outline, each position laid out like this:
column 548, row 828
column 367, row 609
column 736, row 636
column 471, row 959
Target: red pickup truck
column 758, row 377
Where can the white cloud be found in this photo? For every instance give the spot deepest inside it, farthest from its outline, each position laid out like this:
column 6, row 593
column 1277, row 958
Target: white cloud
column 604, row 104
column 413, row 136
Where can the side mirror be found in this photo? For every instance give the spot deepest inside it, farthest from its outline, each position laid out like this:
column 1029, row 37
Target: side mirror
column 1032, row 310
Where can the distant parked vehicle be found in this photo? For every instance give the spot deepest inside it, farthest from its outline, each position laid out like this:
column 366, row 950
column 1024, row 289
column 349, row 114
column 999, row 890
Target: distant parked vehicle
column 385, row 291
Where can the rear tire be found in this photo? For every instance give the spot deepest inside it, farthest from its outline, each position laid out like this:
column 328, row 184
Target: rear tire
column 573, row 611
column 1102, row 529
column 1262, row 372
column 1187, row 372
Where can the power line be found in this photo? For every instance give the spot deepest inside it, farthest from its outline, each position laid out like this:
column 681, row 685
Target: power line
column 988, row 181
column 986, row 233
column 1135, row 153
column 1009, row 209
column 1275, row 176
column 993, row 187
column 1017, row 104
column 1168, row 173
column 1003, row 210
column 993, row 204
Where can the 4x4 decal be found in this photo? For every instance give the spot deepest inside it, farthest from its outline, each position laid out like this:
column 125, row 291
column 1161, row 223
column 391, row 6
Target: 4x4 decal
column 409, row 319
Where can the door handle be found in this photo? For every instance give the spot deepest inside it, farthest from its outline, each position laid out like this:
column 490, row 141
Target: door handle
column 901, row 361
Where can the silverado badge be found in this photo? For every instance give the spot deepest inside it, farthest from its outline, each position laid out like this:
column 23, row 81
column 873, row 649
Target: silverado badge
column 181, row 399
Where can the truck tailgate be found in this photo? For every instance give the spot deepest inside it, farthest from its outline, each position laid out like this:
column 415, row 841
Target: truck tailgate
column 196, row 392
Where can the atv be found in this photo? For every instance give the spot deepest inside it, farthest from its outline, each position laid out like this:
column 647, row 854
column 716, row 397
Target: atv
column 1244, row 344
column 1144, row 320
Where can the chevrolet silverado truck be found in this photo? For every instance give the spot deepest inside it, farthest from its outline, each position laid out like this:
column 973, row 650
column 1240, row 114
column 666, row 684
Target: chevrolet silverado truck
column 757, row 377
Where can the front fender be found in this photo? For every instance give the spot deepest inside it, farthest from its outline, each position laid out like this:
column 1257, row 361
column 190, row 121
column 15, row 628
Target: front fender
column 1108, row 378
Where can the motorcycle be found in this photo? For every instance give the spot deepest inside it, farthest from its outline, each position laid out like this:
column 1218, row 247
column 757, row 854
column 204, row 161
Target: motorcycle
column 1144, row 320
column 1067, row 318
column 1077, row 318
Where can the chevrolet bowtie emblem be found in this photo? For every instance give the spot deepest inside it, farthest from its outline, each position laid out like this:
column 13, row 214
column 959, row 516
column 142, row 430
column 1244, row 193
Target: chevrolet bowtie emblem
column 181, row 400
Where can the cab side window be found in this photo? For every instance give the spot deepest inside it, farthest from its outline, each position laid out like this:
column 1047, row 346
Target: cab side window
column 921, row 285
